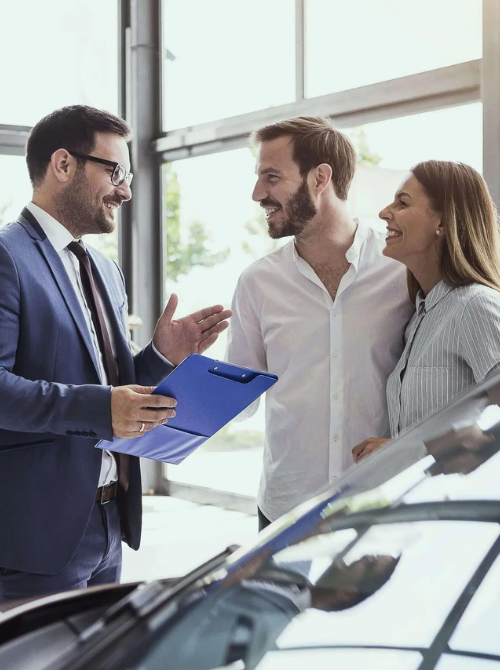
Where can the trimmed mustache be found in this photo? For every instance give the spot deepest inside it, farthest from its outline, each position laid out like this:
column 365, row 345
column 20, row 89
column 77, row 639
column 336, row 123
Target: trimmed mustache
column 112, row 201
column 269, row 203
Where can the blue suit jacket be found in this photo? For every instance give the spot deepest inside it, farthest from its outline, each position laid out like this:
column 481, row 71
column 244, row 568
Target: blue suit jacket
column 53, row 408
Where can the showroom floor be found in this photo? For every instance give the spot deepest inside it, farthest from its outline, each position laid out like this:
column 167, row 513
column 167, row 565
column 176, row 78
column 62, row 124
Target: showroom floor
column 179, row 535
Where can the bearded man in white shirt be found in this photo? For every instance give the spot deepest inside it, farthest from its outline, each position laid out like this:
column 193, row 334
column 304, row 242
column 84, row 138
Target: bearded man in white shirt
column 325, row 312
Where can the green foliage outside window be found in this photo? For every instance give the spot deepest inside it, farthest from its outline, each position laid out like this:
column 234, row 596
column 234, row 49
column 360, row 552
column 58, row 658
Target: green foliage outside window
column 185, row 252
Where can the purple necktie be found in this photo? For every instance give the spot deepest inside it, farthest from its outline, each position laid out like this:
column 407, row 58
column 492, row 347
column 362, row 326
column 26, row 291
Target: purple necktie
column 94, row 305
column 101, row 330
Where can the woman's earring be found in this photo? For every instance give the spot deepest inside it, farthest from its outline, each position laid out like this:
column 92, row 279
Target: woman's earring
column 438, row 231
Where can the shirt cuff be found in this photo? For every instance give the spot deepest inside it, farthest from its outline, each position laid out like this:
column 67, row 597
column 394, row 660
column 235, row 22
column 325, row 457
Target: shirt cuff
column 161, row 356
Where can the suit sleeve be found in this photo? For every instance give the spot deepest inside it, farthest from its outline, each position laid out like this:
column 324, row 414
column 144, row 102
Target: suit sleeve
column 40, row 406
column 151, row 368
column 245, row 345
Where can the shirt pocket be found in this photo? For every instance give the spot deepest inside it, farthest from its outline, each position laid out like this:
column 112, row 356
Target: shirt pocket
column 425, row 390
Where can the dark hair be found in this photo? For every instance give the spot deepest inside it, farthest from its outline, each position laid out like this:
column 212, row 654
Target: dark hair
column 316, row 141
column 68, row 128
column 471, row 245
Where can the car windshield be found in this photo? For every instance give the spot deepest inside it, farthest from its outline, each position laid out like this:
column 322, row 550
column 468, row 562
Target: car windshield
column 368, row 584
column 391, row 588
column 402, row 574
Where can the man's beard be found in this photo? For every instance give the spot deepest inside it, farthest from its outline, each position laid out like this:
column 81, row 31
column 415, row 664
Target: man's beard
column 79, row 210
column 299, row 209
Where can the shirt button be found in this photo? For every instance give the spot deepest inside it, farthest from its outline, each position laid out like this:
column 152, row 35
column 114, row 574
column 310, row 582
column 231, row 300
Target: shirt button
column 335, row 438
column 334, row 313
column 336, row 354
column 336, row 395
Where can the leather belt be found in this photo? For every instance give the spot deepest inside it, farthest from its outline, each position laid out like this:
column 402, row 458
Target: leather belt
column 107, row 493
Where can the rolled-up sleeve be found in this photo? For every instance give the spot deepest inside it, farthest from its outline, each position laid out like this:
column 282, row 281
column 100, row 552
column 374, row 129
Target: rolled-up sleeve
column 245, row 344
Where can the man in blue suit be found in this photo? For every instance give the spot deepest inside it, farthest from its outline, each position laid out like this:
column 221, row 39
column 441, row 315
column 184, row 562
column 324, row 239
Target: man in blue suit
column 67, row 375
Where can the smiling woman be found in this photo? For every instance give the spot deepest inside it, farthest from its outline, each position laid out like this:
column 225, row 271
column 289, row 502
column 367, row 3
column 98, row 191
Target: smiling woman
column 445, row 212
column 443, row 227
column 414, row 231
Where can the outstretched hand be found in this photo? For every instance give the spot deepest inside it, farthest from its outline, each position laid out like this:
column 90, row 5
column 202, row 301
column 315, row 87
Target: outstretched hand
column 193, row 334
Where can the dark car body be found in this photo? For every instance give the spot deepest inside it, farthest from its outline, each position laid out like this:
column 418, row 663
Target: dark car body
column 396, row 565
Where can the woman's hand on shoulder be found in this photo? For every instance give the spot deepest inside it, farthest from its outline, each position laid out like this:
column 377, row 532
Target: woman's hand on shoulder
column 367, row 447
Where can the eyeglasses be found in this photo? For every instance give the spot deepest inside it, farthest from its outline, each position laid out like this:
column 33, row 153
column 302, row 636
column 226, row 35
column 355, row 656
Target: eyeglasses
column 119, row 174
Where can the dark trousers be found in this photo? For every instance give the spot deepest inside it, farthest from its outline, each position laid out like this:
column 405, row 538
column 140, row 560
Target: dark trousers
column 263, row 520
column 98, row 560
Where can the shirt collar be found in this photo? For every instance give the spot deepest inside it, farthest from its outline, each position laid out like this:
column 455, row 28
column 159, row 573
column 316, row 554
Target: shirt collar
column 434, row 296
column 352, row 254
column 57, row 234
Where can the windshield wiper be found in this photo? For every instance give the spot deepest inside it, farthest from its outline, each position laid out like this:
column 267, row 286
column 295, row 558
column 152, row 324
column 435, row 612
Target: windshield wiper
column 122, row 617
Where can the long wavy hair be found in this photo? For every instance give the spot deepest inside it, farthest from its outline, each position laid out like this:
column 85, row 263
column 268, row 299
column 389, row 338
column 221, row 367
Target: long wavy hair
column 470, row 251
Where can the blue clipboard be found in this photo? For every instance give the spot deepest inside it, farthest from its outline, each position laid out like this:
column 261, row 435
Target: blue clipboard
column 209, row 394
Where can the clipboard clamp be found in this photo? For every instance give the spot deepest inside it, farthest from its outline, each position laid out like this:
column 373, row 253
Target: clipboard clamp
column 233, row 373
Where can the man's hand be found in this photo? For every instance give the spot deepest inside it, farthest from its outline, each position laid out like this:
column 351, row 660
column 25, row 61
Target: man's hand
column 366, row 447
column 192, row 334
column 134, row 411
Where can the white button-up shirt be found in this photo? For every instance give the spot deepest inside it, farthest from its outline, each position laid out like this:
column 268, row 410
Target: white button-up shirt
column 452, row 342
column 332, row 357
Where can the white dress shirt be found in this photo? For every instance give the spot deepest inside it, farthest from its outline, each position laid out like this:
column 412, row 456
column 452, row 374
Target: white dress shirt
column 332, row 357
column 452, row 342
column 60, row 237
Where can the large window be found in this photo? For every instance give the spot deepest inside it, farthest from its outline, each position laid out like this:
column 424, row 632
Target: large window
column 214, row 230
column 224, row 58
column 67, row 54
column 351, row 43
column 16, row 187
column 388, row 149
column 61, row 53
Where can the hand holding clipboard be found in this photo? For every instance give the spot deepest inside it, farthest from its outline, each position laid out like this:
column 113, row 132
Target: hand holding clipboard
column 209, row 394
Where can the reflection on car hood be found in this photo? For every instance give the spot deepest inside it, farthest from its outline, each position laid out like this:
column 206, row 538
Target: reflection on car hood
column 460, row 438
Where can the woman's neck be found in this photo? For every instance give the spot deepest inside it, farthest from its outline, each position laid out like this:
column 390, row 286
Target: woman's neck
column 427, row 281
column 427, row 271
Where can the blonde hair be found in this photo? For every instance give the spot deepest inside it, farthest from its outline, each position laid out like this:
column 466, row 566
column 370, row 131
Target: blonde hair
column 315, row 141
column 470, row 251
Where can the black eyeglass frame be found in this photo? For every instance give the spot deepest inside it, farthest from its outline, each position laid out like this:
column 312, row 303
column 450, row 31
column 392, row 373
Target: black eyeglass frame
column 128, row 176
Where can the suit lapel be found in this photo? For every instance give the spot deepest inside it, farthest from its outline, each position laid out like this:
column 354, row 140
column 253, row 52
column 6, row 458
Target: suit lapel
column 62, row 280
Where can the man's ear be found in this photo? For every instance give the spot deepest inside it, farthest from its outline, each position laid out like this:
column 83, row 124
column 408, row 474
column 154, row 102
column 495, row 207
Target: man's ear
column 322, row 177
column 63, row 165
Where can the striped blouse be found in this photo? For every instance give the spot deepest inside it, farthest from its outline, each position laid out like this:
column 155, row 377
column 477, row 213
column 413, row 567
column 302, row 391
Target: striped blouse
column 451, row 342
